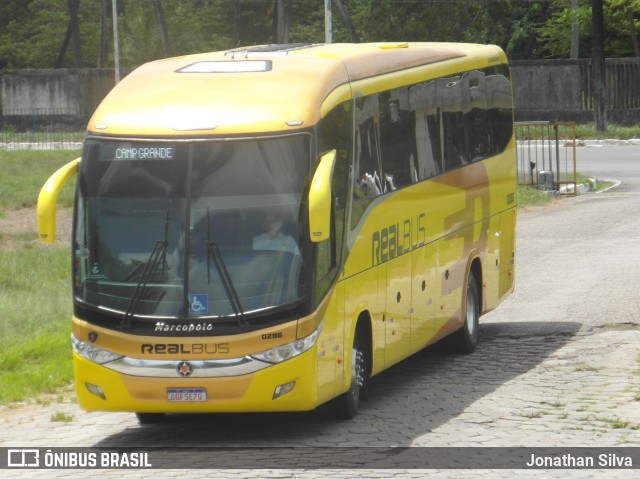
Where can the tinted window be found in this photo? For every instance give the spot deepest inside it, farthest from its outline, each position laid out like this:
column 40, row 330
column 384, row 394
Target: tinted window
column 367, row 171
column 398, row 139
column 413, row 133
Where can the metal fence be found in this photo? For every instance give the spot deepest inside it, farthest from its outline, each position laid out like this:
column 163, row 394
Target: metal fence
column 546, row 155
column 622, row 80
column 41, row 129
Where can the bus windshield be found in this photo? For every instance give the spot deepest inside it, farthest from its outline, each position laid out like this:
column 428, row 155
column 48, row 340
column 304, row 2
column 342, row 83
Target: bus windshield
column 190, row 229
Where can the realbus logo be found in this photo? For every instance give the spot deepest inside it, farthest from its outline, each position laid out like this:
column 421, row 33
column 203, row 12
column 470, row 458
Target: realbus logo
column 175, row 348
column 397, row 239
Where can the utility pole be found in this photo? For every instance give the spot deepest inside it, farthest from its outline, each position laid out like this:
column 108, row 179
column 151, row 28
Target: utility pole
column 116, row 39
column 598, row 67
column 282, row 22
column 328, row 27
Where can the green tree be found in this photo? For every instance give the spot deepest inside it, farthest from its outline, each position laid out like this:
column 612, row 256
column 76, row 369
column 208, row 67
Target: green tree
column 621, row 28
column 139, row 35
column 627, row 11
column 72, row 36
column 31, row 32
column 521, row 21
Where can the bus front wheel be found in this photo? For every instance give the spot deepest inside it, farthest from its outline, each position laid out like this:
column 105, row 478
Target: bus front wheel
column 346, row 406
column 145, row 418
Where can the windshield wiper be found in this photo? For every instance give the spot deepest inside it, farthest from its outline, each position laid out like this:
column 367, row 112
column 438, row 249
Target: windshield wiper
column 158, row 254
column 227, row 282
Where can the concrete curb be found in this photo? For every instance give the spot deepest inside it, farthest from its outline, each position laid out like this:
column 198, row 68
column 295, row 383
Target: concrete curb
column 602, row 143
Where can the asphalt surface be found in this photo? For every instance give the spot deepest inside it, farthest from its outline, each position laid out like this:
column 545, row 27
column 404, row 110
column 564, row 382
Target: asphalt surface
column 558, row 365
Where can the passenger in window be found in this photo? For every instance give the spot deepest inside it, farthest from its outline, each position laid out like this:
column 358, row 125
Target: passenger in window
column 390, row 184
column 370, row 185
column 412, row 169
column 273, row 239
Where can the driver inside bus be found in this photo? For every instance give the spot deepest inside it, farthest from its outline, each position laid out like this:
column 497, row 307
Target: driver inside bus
column 273, row 239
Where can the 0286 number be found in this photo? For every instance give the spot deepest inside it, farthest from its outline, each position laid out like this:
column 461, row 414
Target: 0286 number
column 277, row 335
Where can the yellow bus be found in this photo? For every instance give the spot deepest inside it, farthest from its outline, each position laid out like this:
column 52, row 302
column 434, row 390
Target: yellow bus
column 265, row 229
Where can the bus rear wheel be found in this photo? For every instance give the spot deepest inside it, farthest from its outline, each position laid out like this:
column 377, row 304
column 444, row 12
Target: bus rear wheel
column 465, row 340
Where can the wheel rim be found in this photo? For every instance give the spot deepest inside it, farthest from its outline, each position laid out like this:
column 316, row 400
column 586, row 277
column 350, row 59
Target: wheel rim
column 357, row 374
column 471, row 312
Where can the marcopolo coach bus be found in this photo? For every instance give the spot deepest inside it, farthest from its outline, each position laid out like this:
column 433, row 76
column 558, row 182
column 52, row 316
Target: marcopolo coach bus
column 265, row 229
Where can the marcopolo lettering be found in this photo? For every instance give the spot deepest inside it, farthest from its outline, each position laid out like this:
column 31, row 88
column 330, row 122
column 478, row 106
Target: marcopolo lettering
column 175, row 348
column 399, row 238
column 162, row 327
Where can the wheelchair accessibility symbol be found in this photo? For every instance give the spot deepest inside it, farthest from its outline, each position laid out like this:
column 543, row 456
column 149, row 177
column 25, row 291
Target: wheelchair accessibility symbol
column 199, row 303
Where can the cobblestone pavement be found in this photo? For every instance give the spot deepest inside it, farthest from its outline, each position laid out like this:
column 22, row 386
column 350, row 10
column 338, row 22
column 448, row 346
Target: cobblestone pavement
column 521, row 388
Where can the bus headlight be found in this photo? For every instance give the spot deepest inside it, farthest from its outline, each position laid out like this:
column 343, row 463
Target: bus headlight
column 289, row 350
column 93, row 353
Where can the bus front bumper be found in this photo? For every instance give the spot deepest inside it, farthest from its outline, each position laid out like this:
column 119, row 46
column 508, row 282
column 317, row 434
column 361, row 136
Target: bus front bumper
column 286, row 386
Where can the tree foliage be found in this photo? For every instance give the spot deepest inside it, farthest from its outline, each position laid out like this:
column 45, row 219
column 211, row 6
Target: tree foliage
column 622, row 21
column 33, row 32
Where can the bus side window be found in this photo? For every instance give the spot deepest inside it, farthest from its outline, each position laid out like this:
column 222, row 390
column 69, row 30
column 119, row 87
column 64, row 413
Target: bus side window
column 428, row 159
column 499, row 108
column 450, row 101
column 477, row 128
column 367, row 173
column 397, row 139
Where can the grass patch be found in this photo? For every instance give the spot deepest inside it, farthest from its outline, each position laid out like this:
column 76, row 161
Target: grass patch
column 527, row 196
column 35, row 289
column 35, row 299
column 584, row 131
column 24, row 173
column 555, row 404
column 39, row 365
column 531, row 196
column 584, row 367
column 617, row 423
column 587, row 131
column 533, row 415
column 10, row 134
column 61, row 417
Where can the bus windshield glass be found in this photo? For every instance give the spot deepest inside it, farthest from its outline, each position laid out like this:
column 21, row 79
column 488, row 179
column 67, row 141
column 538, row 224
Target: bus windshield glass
column 190, row 229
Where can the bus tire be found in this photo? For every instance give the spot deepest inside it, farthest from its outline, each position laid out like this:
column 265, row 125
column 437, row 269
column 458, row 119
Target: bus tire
column 465, row 339
column 146, row 418
column 346, row 405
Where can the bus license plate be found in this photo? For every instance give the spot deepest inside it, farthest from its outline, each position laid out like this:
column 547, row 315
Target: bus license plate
column 187, row 395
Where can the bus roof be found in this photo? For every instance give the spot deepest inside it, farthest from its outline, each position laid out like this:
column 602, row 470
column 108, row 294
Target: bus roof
column 265, row 89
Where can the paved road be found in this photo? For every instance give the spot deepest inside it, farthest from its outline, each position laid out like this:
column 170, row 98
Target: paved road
column 558, row 364
column 622, row 163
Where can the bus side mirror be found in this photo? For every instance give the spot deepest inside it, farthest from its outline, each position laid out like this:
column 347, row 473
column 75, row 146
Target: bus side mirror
column 320, row 199
column 49, row 197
